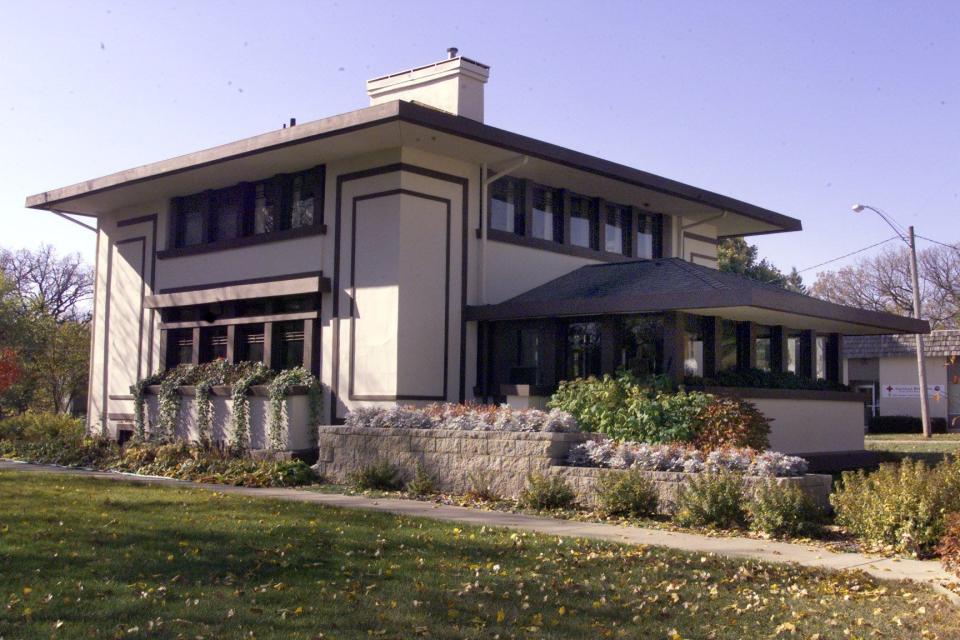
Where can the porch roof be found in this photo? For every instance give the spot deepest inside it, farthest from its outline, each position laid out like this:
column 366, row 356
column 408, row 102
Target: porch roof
column 646, row 286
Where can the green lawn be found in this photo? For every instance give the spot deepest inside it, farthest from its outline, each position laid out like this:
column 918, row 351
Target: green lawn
column 89, row 559
column 937, row 437
column 896, row 446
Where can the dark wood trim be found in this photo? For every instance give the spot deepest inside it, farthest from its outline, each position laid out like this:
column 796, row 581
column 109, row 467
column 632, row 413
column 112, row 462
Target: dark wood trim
column 263, row 280
column 788, row 394
column 244, row 241
column 700, row 238
column 496, row 235
column 779, row 352
column 526, row 390
column 711, row 345
column 807, row 354
column 121, row 397
column 351, row 395
column 832, row 357
column 703, row 256
column 746, row 345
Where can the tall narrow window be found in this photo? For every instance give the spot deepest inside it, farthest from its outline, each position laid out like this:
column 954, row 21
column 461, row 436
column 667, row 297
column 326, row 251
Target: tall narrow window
column 266, row 206
column 583, row 349
column 693, row 351
column 546, row 214
column 763, row 343
column 302, row 199
column 213, row 344
column 179, row 347
column 728, row 345
column 583, row 222
column 289, row 344
column 250, row 343
column 226, row 213
column 643, row 344
column 616, row 223
column 527, row 368
column 657, row 231
column 644, row 238
column 189, row 220
column 793, row 344
column 821, row 347
column 506, row 205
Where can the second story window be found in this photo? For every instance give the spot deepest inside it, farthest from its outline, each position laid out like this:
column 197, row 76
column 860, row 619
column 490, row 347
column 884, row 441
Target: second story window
column 616, row 236
column 583, row 222
column 506, row 205
column 266, row 206
column 303, row 189
column 190, row 216
column 226, row 213
column 546, row 216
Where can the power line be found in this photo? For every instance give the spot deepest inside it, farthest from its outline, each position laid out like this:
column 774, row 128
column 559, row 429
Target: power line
column 942, row 244
column 852, row 253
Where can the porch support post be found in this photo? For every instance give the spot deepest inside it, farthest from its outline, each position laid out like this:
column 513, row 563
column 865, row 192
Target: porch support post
column 608, row 345
column 832, row 356
column 673, row 344
column 231, row 343
column 746, row 345
column 268, row 344
column 711, row 345
column 195, row 347
column 309, row 346
column 807, row 354
column 163, row 350
column 483, row 358
column 779, row 356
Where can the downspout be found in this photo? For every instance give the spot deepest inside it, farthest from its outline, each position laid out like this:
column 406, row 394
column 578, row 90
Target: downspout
column 485, row 183
column 683, row 228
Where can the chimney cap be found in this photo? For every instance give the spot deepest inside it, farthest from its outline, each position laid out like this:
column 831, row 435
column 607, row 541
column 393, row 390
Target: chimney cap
column 452, row 52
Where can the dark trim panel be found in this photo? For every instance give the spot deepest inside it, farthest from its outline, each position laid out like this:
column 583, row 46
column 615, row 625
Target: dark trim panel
column 244, row 241
column 700, row 238
column 446, row 297
column 703, row 256
column 789, row 394
column 234, row 283
column 497, row 235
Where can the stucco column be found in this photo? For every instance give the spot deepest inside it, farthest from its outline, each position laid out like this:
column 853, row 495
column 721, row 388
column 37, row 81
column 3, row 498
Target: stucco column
column 807, row 354
column 779, row 355
column 674, row 337
column 711, row 345
column 746, row 345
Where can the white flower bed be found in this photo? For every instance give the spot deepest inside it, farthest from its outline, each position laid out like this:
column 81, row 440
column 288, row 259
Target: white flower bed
column 460, row 417
column 671, row 457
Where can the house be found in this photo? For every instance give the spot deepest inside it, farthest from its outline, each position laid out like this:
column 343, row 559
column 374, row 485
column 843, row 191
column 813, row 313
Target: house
column 408, row 252
column 885, row 367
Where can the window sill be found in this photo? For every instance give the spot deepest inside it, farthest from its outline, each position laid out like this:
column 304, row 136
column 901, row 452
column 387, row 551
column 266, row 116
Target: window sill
column 549, row 245
column 246, row 241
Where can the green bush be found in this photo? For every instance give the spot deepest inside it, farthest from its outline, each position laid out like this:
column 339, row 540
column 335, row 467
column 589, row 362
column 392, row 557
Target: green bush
column 949, row 546
column 711, row 500
column 40, row 427
column 480, row 486
column 626, row 409
column 422, row 483
column 900, row 506
column 546, row 492
column 379, row 476
column 628, row 493
column 763, row 379
column 904, row 424
column 783, row 510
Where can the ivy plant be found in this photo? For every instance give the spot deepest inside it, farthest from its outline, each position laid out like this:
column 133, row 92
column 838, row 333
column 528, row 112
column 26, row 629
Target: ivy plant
column 256, row 374
column 279, row 387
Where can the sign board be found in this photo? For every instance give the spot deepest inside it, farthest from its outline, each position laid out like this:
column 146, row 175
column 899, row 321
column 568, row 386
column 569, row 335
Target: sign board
column 934, row 391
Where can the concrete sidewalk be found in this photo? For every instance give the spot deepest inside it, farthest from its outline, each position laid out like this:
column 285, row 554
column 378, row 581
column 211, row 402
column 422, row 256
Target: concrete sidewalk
column 925, row 571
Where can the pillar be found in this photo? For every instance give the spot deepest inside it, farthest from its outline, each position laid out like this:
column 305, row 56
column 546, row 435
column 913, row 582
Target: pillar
column 746, row 345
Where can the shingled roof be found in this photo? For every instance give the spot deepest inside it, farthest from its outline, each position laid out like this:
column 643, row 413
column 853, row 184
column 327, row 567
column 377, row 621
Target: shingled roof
column 938, row 343
column 644, row 286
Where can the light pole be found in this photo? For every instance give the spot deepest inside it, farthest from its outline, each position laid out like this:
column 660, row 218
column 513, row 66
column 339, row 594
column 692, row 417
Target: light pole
column 911, row 242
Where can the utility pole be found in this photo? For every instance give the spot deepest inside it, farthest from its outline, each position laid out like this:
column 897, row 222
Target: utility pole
column 921, row 356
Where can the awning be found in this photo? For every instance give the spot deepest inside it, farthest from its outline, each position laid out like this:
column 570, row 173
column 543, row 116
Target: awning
column 671, row 284
column 206, row 294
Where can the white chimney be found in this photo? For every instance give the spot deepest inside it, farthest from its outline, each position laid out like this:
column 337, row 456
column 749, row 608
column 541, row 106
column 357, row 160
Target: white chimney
column 454, row 85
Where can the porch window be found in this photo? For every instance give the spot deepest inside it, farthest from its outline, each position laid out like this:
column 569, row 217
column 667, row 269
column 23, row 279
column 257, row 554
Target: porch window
column 213, row 344
column 762, row 346
column 693, row 349
column 289, row 344
column 642, row 351
column 728, row 345
column 643, row 246
column 583, row 222
column 250, row 343
column 527, row 366
column 616, row 237
column 793, row 343
column 179, row 347
column 546, row 216
column 583, row 349
column 821, row 357
column 506, row 205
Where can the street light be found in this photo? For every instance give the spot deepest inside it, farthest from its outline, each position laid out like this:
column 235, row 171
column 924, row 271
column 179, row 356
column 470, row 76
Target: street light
column 910, row 240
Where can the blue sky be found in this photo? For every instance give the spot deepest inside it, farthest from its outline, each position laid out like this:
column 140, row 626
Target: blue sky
column 803, row 108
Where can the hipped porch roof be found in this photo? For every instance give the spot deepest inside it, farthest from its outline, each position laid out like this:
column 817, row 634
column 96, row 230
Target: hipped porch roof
column 668, row 284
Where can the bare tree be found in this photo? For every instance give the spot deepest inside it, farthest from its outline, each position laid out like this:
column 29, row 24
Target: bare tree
column 47, row 284
column 882, row 283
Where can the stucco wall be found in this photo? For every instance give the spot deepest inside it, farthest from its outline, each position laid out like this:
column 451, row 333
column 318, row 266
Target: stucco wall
column 512, row 269
column 813, row 426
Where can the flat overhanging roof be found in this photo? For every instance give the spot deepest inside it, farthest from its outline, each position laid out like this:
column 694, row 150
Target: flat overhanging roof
column 394, row 125
column 671, row 284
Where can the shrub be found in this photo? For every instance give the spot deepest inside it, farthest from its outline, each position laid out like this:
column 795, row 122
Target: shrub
column 711, row 500
column 625, row 409
column 422, row 483
column 783, row 510
column 629, row 493
column 40, row 427
column 381, row 475
column 762, row 379
column 949, row 546
column 904, row 424
column 462, row 417
column 901, row 506
column 480, row 486
column 546, row 492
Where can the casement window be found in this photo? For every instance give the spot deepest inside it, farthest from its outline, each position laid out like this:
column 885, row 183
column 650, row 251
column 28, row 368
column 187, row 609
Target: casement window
column 727, row 359
column 547, row 214
column 506, row 205
column 213, row 344
column 250, row 343
column 583, row 222
column 616, row 232
column 762, row 345
column 642, row 344
column 583, row 349
column 643, row 245
column 282, row 203
column 179, row 347
column 289, row 344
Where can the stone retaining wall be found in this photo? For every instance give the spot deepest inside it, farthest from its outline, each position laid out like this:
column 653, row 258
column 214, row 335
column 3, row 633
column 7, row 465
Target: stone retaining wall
column 458, row 459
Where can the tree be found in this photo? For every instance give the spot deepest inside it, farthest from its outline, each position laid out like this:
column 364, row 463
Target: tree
column 881, row 282
column 47, row 285
column 734, row 255
column 9, row 368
